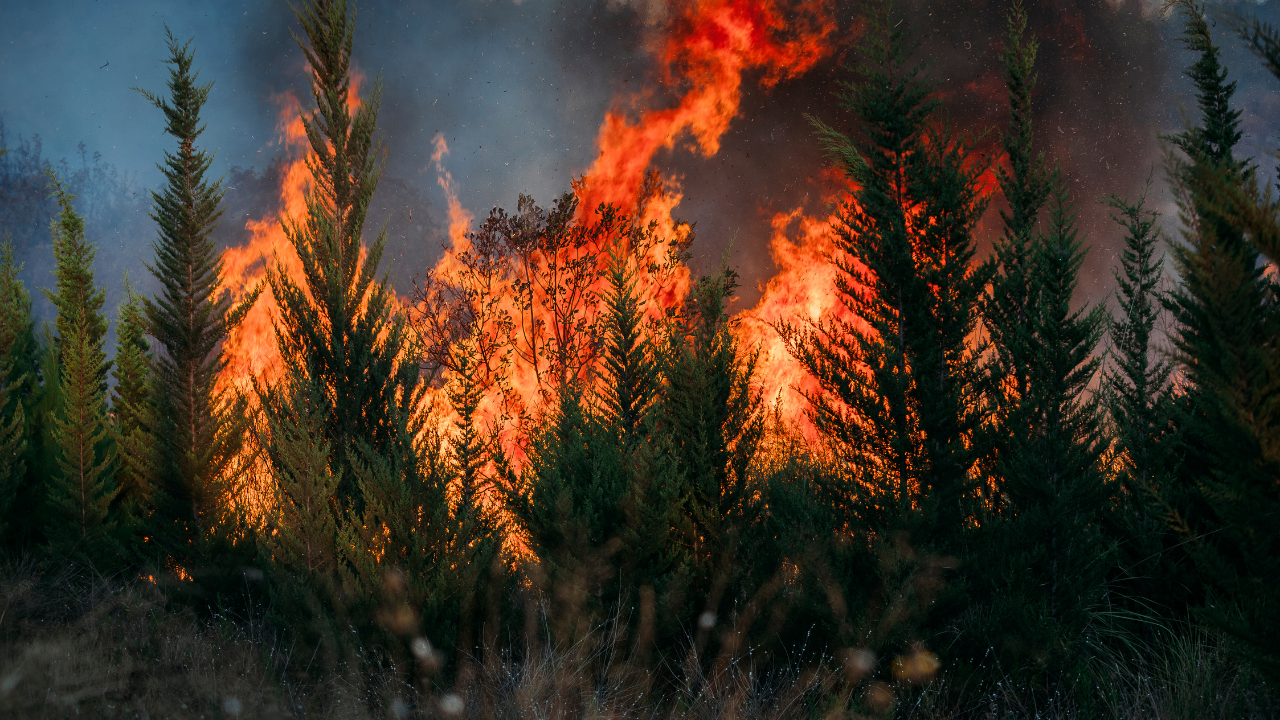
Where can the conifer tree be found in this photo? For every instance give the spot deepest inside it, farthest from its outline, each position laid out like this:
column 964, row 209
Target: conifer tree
column 899, row 394
column 714, row 419
column 476, row 531
column 15, row 327
column 1008, row 306
column 630, row 405
column 303, row 531
column 1045, row 556
column 1139, row 383
column 1052, row 560
column 339, row 328
column 568, row 497
column 403, row 529
column 1226, row 336
column 1141, row 403
column 629, row 374
column 200, row 430
column 83, row 486
column 133, row 410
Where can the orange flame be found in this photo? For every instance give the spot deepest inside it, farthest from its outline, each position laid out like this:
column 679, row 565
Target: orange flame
column 250, row 351
column 803, row 291
column 702, row 49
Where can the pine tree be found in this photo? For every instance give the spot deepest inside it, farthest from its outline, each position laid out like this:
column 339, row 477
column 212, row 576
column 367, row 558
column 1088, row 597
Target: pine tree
column 630, row 407
column 1226, row 336
column 83, row 486
column 899, row 394
column 1139, row 383
column 133, row 410
column 477, row 533
column 715, row 421
column 1045, row 557
column 568, row 497
column 1141, row 403
column 339, row 327
column 304, row 523
column 1052, row 558
column 629, row 376
column 200, row 430
column 15, row 326
column 1007, row 306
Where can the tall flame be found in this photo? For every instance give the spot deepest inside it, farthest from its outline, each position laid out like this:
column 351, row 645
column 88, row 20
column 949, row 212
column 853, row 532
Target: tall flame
column 250, row 351
column 702, row 50
column 803, row 291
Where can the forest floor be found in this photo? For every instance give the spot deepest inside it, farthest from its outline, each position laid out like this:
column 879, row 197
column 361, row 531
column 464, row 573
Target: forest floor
column 76, row 644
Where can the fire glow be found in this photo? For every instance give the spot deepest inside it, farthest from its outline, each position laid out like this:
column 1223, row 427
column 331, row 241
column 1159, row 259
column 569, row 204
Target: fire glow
column 704, row 49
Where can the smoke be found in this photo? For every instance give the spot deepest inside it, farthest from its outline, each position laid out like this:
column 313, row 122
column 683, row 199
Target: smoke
column 518, row 90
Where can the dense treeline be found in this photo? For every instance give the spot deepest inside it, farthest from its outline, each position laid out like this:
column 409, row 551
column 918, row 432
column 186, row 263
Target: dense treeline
column 1005, row 481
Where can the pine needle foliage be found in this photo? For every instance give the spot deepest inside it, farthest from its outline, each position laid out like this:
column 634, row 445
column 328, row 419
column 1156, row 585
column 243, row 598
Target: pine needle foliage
column 338, row 328
column 303, row 528
column 1008, row 305
column 133, row 411
column 1045, row 557
column 15, row 327
column 899, row 400
column 1227, row 334
column 1140, row 392
column 200, row 430
column 1052, row 558
column 714, row 416
column 83, row 486
column 629, row 372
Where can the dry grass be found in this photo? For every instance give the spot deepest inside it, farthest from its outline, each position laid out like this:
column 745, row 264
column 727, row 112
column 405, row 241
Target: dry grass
column 75, row 644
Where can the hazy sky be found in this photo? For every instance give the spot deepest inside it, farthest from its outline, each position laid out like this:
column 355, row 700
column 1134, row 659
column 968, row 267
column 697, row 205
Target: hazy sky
column 520, row 88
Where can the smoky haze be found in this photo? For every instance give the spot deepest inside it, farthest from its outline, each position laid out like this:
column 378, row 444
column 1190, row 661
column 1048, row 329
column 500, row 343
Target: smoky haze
column 518, row 89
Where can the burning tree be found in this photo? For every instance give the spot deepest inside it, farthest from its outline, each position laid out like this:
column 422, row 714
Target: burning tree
column 899, row 385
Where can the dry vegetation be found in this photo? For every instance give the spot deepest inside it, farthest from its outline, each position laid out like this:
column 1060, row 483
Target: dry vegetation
column 76, row 644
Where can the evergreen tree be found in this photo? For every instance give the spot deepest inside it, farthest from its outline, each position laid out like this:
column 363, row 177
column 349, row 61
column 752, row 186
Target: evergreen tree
column 1045, row 559
column 714, row 419
column 1140, row 398
column 1139, row 384
column 598, row 497
column 477, row 533
column 898, row 404
column 83, row 486
column 339, row 328
column 630, row 404
column 133, row 411
column 15, row 327
column 200, row 430
column 629, row 374
column 568, row 501
column 1051, row 559
column 1227, row 334
column 1008, row 306
column 303, row 528
column 401, row 548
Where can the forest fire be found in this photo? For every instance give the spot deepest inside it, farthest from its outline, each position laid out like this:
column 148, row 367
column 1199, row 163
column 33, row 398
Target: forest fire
column 802, row 291
column 928, row 440
column 250, row 351
column 703, row 50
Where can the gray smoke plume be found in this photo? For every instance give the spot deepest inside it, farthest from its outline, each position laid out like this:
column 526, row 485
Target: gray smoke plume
column 518, row 90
